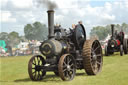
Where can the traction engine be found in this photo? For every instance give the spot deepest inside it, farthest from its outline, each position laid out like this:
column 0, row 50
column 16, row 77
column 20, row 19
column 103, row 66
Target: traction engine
column 117, row 43
column 63, row 53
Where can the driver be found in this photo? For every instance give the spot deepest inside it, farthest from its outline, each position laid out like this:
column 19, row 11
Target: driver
column 80, row 22
column 121, row 36
column 82, row 33
column 78, row 34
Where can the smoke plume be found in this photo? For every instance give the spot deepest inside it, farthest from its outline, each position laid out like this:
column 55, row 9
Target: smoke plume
column 49, row 4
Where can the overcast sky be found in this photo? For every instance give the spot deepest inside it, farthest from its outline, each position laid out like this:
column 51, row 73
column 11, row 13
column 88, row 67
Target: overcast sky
column 15, row 14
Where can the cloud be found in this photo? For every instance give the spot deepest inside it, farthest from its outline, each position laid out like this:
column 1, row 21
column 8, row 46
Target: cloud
column 3, row 2
column 59, row 18
column 6, row 17
column 22, row 3
column 21, row 12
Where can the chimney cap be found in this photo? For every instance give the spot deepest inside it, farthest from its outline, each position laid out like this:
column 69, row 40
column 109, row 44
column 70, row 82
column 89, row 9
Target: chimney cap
column 112, row 24
column 50, row 11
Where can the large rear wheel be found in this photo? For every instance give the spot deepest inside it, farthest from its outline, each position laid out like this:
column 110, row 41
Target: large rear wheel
column 92, row 57
column 67, row 67
column 34, row 68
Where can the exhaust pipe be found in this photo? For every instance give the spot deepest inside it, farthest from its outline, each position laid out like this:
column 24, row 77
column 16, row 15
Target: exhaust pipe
column 50, row 23
column 112, row 28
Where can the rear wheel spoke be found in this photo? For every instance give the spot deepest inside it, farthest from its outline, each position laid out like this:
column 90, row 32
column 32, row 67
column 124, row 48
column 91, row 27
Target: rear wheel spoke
column 64, row 69
column 68, row 75
column 96, row 48
column 98, row 55
column 69, row 61
column 94, row 44
column 99, row 63
column 65, row 63
column 71, row 64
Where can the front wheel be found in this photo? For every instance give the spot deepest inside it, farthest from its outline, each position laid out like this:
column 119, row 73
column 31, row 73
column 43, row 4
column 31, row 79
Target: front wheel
column 34, row 68
column 67, row 67
column 125, row 46
column 56, row 73
column 106, row 51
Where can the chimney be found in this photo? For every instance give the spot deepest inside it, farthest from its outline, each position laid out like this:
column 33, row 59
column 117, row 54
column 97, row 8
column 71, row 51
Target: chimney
column 112, row 28
column 50, row 23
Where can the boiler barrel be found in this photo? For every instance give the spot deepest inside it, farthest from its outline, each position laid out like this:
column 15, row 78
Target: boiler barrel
column 50, row 48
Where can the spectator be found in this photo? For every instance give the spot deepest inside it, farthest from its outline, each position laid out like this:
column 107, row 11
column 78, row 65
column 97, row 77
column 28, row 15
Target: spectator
column 73, row 26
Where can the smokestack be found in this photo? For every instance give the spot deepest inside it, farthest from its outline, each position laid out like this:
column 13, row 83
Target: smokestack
column 50, row 23
column 112, row 28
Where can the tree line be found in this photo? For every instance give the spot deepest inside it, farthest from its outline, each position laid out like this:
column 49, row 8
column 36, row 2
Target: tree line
column 34, row 31
column 39, row 31
column 102, row 31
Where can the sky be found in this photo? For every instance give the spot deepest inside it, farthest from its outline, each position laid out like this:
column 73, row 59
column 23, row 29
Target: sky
column 15, row 14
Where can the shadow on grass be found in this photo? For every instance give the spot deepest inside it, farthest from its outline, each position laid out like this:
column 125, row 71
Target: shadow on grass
column 4, row 81
column 23, row 80
column 112, row 55
column 48, row 78
column 81, row 74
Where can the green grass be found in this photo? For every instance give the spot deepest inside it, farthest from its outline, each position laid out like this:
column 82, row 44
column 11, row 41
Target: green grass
column 13, row 71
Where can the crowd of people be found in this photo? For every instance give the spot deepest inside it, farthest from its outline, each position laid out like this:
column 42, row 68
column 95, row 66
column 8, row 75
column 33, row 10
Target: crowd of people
column 23, row 48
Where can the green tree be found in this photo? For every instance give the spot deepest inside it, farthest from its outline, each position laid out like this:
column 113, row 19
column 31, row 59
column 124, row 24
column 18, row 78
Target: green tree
column 12, row 39
column 102, row 32
column 4, row 36
column 14, row 34
column 36, row 31
column 125, row 27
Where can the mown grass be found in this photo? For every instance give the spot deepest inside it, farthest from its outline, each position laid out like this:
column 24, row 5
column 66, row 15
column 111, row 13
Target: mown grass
column 13, row 71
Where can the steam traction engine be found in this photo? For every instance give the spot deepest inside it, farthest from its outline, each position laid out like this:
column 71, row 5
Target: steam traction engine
column 65, row 52
column 117, row 43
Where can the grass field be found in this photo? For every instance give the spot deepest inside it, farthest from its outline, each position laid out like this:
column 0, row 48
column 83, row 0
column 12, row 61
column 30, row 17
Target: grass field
column 13, row 71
